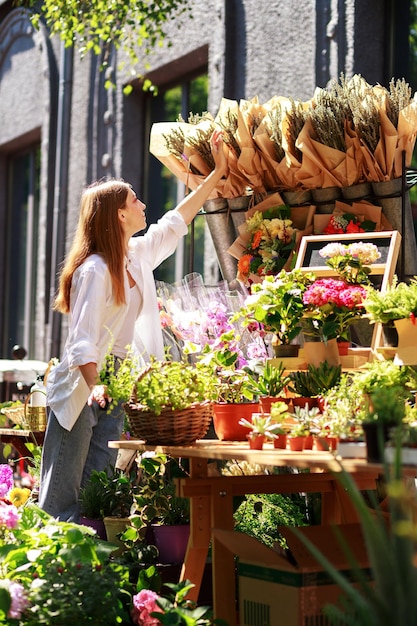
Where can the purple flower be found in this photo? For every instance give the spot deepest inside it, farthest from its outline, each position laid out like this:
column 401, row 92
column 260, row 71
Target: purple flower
column 19, row 600
column 6, row 479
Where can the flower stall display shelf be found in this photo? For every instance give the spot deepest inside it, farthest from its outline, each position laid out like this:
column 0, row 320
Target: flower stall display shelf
column 290, row 587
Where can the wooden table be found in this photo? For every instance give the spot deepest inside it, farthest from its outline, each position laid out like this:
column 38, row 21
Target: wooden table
column 212, row 500
column 19, row 438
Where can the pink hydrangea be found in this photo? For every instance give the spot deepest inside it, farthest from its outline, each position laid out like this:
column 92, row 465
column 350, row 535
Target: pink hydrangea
column 19, row 600
column 6, row 479
column 144, row 603
column 9, row 515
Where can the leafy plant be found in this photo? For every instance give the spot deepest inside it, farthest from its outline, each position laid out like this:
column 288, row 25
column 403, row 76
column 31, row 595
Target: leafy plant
column 92, row 27
column 108, row 493
column 397, row 301
column 261, row 425
column 379, row 374
column 269, row 380
column 232, row 384
column 173, row 384
column 63, row 569
column 315, row 380
column 277, row 304
column 156, row 499
column 259, row 516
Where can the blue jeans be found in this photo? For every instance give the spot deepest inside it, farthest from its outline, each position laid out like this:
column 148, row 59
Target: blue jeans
column 69, row 457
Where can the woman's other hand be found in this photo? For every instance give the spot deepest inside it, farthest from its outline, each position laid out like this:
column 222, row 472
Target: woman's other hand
column 98, row 393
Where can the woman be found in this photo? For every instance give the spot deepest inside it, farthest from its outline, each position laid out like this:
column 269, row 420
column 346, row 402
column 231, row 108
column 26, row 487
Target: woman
column 107, row 289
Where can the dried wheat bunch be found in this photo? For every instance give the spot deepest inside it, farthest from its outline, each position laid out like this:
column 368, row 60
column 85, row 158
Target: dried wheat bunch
column 296, row 116
column 201, row 144
column 328, row 122
column 273, row 127
column 398, row 98
column 229, row 127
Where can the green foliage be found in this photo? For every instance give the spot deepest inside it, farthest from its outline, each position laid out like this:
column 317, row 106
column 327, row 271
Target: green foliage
column 386, row 404
column 259, row 516
column 397, row 301
column 269, row 380
column 232, row 384
column 156, row 500
column 261, row 425
column 379, row 374
column 64, row 569
column 108, row 493
column 174, row 384
column 277, row 303
column 315, row 380
column 97, row 25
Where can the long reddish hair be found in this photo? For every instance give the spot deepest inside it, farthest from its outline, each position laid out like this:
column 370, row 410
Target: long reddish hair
column 99, row 231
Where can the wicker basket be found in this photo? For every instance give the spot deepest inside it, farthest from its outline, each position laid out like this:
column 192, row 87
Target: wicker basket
column 179, row 427
column 32, row 418
column 15, row 414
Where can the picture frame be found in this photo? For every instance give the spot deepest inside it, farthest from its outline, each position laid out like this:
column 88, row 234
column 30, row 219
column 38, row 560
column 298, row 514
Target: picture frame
column 382, row 272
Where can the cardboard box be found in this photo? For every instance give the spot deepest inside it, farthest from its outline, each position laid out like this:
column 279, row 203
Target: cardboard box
column 290, row 588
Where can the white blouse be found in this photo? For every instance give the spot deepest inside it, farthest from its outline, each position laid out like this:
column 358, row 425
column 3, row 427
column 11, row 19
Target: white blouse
column 96, row 322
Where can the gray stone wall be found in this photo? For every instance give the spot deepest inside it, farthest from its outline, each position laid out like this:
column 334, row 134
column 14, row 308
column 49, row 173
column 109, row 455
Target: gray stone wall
column 251, row 49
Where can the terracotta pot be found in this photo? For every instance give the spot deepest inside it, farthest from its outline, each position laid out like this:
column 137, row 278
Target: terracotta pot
column 323, row 443
column 280, row 442
column 302, row 401
column 266, row 402
column 256, row 442
column 343, row 347
column 308, row 442
column 226, row 419
column 296, row 444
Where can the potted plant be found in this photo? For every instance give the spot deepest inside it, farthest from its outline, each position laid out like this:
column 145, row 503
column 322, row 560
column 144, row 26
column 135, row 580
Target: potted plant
column 269, row 382
column 262, row 427
column 109, row 496
column 171, row 402
column 159, row 515
column 313, row 382
column 304, row 426
column 385, row 411
column 235, row 393
column 398, row 301
column 277, row 304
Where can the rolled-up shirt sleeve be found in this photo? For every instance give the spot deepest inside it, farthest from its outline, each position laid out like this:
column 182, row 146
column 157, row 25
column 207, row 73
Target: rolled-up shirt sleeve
column 89, row 293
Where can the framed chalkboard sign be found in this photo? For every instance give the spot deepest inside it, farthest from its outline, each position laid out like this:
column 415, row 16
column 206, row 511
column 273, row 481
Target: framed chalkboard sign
column 387, row 242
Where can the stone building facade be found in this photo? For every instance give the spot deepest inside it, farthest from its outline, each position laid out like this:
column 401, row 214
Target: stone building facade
column 60, row 128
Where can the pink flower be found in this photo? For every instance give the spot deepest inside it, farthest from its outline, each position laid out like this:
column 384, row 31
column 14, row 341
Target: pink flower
column 144, row 603
column 6, row 479
column 9, row 515
column 19, row 600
